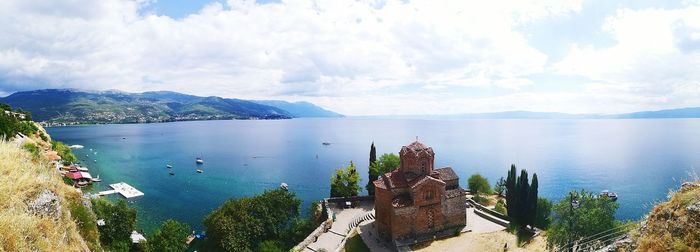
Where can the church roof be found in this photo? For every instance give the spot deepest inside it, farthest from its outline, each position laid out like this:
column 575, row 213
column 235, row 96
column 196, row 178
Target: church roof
column 446, row 174
column 417, row 147
column 393, row 179
column 424, row 179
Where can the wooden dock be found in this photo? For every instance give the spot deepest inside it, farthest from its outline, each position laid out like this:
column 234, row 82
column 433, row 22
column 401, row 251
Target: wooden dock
column 124, row 189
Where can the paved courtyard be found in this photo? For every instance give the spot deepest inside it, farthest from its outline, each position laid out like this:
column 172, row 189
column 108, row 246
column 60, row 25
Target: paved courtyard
column 478, row 224
column 343, row 216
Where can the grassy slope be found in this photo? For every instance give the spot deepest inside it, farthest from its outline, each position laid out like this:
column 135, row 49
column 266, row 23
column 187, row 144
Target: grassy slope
column 673, row 225
column 23, row 176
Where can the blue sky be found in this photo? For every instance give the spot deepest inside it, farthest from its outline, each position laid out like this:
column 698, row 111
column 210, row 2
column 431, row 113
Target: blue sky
column 370, row 57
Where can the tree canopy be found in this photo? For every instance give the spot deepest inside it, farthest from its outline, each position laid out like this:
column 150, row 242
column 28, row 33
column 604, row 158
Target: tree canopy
column 591, row 216
column 478, row 184
column 120, row 221
column 345, row 182
column 244, row 224
column 386, row 163
column 171, row 236
column 521, row 198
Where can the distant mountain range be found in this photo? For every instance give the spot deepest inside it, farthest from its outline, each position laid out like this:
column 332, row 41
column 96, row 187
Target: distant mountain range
column 693, row 112
column 74, row 106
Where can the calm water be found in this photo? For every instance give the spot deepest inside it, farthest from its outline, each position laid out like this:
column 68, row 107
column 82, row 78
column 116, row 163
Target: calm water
column 639, row 159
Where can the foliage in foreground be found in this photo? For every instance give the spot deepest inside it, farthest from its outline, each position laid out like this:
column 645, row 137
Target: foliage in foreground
column 269, row 222
column 345, row 182
column 171, row 236
column 592, row 216
column 386, row 163
column 543, row 216
column 120, row 221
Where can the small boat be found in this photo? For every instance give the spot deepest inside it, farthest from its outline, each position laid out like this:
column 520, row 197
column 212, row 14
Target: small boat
column 82, row 183
column 199, row 160
column 169, row 166
column 77, row 146
column 199, row 171
column 284, row 186
column 609, row 194
column 172, row 173
column 326, row 143
column 97, row 179
column 83, row 169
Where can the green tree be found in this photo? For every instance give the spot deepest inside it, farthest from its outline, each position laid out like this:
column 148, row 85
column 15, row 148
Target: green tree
column 345, row 182
column 531, row 212
column 372, row 154
column 242, row 224
column 372, row 173
column 120, row 221
column 500, row 187
column 478, row 184
column 543, row 216
column 171, row 236
column 590, row 216
column 521, row 198
column 4, row 106
column 386, row 163
column 64, row 151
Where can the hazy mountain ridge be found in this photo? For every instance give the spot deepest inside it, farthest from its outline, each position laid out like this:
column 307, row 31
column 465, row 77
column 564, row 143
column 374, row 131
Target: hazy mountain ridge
column 75, row 106
column 300, row 108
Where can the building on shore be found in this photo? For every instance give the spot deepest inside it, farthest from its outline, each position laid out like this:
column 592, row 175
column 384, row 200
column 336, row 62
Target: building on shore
column 415, row 199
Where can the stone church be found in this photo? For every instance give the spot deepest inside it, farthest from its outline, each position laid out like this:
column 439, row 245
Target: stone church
column 416, row 199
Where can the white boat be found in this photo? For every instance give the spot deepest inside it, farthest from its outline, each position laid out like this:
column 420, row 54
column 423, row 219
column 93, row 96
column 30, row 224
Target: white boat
column 83, row 169
column 284, row 186
column 199, row 160
column 169, row 166
column 97, row 179
column 609, row 194
column 77, row 146
column 199, row 171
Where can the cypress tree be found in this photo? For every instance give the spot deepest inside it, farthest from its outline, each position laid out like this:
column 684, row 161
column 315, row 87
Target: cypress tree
column 511, row 192
column 532, row 201
column 523, row 186
column 372, row 154
column 373, row 174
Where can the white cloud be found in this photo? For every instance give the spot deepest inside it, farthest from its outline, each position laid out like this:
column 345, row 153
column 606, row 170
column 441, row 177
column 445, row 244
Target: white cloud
column 357, row 57
column 656, row 55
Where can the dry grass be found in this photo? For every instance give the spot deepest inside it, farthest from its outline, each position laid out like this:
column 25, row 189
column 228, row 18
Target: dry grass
column 671, row 226
column 22, row 178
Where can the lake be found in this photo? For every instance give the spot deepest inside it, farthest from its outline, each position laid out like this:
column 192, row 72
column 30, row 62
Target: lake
column 639, row 159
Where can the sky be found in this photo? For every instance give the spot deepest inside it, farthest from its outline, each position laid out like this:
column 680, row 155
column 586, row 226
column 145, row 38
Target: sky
column 357, row 57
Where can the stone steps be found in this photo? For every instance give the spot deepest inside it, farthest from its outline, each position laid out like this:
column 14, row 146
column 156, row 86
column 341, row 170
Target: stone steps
column 364, row 217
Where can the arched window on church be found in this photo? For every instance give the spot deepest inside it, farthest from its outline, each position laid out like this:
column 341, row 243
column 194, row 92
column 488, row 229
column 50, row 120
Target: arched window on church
column 429, row 194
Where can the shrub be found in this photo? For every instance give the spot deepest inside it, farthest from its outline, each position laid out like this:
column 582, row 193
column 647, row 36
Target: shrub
column 479, row 184
column 32, row 148
column 500, row 207
column 87, row 224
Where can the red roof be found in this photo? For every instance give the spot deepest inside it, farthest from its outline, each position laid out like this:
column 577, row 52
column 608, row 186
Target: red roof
column 74, row 175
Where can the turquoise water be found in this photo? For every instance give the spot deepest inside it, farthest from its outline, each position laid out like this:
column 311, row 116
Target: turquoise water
column 639, row 159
